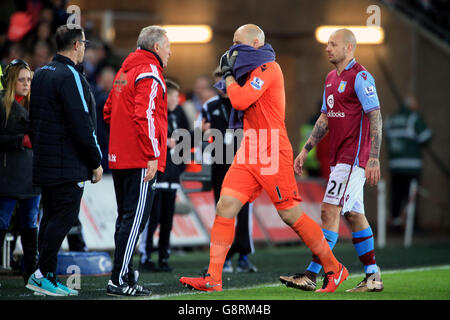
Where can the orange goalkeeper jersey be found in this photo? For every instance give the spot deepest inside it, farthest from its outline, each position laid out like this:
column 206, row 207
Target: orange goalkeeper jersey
column 263, row 101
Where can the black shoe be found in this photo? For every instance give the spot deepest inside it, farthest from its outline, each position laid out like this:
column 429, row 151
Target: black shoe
column 126, row 290
column 163, row 266
column 147, row 266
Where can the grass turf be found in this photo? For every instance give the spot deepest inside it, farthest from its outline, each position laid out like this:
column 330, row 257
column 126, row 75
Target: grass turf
column 431, row 284
column 409, row 284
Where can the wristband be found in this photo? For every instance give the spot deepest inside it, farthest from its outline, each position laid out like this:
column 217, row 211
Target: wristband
column 308, row 147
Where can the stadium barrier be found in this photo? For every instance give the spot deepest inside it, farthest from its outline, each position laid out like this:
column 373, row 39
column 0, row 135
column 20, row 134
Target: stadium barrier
column 381, row 214
column 192, row 227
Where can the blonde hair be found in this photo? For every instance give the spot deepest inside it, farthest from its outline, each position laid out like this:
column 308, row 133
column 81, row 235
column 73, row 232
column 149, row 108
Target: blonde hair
column 10, row 90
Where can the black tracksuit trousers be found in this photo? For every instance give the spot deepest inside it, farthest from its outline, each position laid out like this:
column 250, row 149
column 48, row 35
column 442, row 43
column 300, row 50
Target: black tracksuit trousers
column 61, row 206
column 134, row 202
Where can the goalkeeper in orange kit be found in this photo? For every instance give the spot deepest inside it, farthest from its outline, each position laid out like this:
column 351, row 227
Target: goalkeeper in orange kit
column 255, row 85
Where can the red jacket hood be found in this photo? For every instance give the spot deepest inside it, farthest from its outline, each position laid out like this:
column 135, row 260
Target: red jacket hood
column 139, row 57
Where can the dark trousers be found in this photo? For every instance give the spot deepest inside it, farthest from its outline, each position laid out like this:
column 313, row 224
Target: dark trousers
column 162, row 213
column 400, row 184
column 134, row 201
column 243, row 242
column 61, row 206
column 75, row 238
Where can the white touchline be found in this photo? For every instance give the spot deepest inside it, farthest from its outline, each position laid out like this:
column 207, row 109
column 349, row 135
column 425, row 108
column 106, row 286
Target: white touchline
column 269, row 285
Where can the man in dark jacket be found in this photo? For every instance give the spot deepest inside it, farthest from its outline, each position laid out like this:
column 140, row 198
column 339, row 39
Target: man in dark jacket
column 66, row 152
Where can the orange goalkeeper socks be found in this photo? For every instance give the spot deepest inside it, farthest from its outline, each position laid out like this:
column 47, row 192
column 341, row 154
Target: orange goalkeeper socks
column 311, row 234
column 222, row 235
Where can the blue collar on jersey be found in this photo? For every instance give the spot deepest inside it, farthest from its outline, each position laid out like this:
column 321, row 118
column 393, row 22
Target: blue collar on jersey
column 350, row 64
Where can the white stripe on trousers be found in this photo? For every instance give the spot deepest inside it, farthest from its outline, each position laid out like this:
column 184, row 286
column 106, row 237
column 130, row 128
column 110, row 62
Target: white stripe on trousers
column 250, row 227
column 135, row 228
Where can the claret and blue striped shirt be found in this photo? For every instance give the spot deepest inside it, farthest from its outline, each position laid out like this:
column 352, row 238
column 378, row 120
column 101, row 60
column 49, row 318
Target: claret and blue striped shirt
column 347, row 99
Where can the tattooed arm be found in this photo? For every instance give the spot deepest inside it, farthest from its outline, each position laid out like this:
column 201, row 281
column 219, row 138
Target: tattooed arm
column 373, row 165
column 319, row 131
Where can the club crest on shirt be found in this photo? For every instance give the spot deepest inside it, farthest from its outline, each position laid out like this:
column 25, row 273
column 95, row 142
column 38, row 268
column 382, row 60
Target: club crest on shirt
column 257, row 83
column 342, row 86
column 330, row 101
column 120, row 83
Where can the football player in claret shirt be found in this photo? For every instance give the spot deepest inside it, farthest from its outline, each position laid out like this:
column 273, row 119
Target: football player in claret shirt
column 255, row 85
column 351, row 116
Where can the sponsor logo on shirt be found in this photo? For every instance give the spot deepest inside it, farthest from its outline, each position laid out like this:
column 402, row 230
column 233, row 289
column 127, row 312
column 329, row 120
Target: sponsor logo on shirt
column 48, row 68
column 330, row 101
column 364, row 75
column 257, row 83
column 335, row 114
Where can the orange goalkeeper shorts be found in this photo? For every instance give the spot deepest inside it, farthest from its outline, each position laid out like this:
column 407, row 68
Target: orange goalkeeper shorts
column 245, row 182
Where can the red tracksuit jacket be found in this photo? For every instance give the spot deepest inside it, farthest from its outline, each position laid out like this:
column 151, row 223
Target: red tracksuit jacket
column 136, row 111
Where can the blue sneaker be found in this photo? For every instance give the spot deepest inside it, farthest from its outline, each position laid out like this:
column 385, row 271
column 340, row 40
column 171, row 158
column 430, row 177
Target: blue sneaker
column 70, row 292
column 45, row 285
column 227, row 266
column 245, row 266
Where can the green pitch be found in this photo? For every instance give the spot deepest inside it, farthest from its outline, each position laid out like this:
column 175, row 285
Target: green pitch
column 420, row 272
column 409, row 284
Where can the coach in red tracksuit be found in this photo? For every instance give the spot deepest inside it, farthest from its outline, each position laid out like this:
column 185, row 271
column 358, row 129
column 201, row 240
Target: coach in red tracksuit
column 136, row 111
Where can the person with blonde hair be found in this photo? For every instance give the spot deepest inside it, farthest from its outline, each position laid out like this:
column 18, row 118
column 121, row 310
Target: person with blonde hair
column 16, row 158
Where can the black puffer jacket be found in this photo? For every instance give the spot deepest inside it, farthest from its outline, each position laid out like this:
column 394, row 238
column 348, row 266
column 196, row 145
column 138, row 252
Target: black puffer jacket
column 62, row 113
column 15, row 160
